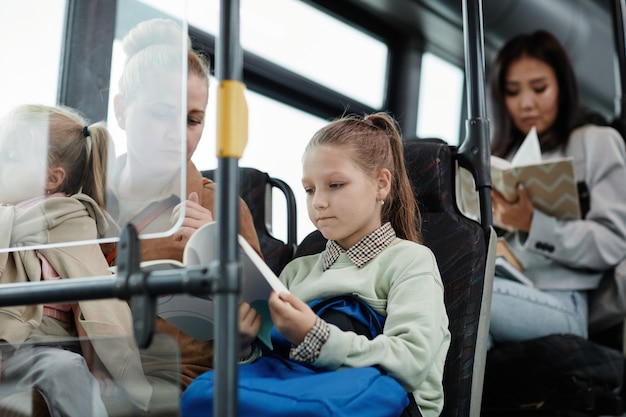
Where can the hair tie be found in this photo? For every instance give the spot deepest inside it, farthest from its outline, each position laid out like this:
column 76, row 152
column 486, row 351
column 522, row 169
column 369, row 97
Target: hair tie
column 88, row 142
column 369, row 122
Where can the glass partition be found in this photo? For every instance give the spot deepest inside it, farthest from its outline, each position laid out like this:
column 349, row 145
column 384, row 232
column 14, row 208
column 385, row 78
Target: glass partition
column 47, row 375
column 68, row 183
column 60, row 172
column 149, row 118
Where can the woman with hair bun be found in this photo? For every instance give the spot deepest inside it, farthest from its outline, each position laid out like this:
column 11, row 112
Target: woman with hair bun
column 147, row 182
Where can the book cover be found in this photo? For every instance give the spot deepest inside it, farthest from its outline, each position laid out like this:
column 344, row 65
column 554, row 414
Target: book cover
column 551, row 184
column 194, row 314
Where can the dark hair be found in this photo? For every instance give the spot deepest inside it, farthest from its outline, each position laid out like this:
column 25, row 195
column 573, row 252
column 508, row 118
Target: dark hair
column 376, row 143
column 543, row 46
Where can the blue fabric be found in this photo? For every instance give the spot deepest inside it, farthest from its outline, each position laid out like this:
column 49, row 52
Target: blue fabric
column 273, row 386
column 515, row 308
column 348, row 305
column 276, row 386
column 355, row 308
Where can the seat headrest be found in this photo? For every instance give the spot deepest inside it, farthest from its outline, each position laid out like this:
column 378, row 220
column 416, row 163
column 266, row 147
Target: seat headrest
column 429, row 167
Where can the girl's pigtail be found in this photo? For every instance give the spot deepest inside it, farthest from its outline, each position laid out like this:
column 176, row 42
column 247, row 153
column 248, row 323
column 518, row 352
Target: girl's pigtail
column 97, row 142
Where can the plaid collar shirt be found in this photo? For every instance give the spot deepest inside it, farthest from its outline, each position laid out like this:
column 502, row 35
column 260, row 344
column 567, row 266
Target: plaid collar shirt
column 365, row 250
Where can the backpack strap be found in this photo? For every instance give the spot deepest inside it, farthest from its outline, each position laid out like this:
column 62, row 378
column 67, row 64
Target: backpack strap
column 350, row 313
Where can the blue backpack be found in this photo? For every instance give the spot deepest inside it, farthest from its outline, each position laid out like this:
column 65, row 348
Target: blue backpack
column 277, row 386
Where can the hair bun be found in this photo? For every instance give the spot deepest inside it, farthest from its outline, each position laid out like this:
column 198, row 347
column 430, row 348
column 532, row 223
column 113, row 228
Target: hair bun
column 164, row 32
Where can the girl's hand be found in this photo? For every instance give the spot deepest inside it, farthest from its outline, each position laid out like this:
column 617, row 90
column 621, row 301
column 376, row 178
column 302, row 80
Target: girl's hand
column 292, row 317
column 195, row 217
column 518, row 215
column 249, row 326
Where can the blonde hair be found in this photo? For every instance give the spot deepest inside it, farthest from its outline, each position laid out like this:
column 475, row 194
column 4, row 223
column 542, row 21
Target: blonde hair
column 80, row 149
column 375, row 142
column 152, row 47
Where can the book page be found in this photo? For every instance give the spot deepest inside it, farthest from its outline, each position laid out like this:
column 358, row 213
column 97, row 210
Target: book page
column 500, row 164
column 529, row 152
column 194, row 314
column 505, row 270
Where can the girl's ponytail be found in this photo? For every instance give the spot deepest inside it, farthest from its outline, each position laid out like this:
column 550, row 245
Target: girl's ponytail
column 401, row 209
column 97, row 142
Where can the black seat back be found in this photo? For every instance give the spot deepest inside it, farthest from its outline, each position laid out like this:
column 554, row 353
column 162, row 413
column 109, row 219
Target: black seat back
column 461, row 248
column 256, row 190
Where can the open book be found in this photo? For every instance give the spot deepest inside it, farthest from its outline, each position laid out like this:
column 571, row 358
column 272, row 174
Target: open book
column 551, row 184
column 505, row 269
column 194, row 314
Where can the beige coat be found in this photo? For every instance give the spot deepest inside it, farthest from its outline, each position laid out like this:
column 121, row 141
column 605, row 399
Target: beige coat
column 108, row 323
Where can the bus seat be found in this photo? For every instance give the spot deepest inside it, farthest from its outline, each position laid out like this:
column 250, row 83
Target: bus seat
column 256, row 190
column 465, row 254
column 313, row 243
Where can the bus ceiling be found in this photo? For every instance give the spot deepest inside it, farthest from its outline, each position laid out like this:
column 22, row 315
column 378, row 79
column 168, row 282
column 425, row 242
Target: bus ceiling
column 585, row 27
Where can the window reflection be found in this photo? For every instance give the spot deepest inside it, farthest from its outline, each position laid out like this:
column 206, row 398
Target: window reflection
column 34, row 55
column 277, row 136
column 148, row 118
column 304, row 40
column 440, row 100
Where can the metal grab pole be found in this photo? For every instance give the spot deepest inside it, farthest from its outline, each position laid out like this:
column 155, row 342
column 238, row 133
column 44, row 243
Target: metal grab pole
column 619, row 21
column 232, row 136
column 142, row 287
column 474, row 152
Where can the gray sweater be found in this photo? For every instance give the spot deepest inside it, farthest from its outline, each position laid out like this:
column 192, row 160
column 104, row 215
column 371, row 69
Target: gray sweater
column 572, row 255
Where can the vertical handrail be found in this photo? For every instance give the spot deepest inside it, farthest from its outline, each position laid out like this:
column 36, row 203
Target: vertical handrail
column 232, row 133
column 474, row 152
column 619, row 20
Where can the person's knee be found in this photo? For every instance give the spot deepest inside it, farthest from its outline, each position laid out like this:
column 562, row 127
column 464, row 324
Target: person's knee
column 65, row 363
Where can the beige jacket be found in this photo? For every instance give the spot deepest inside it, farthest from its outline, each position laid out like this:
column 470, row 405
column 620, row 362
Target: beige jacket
column 108, row 323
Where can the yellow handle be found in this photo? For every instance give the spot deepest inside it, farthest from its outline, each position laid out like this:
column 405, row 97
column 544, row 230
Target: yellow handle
column 232, row 119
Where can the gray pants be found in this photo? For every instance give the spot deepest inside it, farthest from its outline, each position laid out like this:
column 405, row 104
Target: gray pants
column 61, row 376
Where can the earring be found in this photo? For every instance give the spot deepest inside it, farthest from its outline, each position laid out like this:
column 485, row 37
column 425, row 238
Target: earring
column 382, row 202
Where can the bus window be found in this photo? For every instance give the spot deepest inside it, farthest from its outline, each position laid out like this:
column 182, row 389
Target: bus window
column 314, row 44
column 304, row 40
column 33, row 73
column 440, row 101
column 277, row 136
column 203, row 14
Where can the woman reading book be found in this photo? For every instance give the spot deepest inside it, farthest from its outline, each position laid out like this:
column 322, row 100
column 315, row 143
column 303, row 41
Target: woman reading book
column 146, row 186
column 533, row 85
